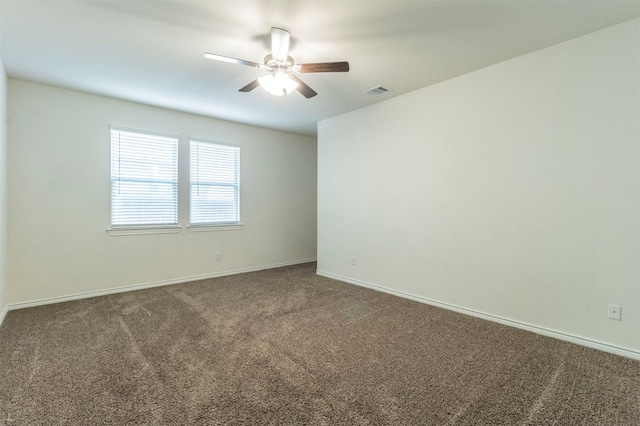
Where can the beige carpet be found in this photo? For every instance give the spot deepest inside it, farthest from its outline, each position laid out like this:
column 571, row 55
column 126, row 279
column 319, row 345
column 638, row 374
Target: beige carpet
column 285, row 346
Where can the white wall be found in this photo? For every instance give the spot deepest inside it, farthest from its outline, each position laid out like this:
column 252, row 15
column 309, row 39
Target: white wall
column 59, row 197
column 511, row 191
column 3, row 192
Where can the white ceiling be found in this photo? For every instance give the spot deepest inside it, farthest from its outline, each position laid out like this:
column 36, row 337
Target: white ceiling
column 151, row 51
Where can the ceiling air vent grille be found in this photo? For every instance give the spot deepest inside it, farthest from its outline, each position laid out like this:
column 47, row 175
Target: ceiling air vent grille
column 378, row 90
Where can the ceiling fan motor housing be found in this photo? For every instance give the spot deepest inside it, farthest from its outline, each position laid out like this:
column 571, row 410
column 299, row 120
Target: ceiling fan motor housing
column 274, row 64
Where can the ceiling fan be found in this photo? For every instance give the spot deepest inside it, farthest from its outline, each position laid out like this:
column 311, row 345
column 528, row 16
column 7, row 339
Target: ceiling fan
column 281, row 80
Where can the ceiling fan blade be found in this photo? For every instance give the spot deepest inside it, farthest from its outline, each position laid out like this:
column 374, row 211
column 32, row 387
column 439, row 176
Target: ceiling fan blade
column 249, row 87
column 279, row 44
column 232, row 60
column 306, row 91
column 324, row 67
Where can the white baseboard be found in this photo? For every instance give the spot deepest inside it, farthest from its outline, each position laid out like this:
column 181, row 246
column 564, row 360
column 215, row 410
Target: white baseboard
column 88, row 294
column 594, row 344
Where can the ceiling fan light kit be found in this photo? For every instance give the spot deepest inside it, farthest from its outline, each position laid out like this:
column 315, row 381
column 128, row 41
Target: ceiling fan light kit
column 278, row 83
column 281, row 80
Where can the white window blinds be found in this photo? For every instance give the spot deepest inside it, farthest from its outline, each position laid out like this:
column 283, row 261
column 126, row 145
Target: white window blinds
column 215, row 183
column 144, row 179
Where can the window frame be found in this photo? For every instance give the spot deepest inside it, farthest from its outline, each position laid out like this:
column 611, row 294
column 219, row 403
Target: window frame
column 144, row 228
column 215, row 226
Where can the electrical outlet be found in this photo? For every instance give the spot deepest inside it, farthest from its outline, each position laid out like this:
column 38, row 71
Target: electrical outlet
column 614, row 312
column 353, row 260
column 218, row 256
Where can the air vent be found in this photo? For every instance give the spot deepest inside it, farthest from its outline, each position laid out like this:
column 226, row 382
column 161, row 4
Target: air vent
column 378, row 90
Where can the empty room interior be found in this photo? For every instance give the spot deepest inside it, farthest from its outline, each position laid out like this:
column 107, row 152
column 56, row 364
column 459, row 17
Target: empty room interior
column 320, row 212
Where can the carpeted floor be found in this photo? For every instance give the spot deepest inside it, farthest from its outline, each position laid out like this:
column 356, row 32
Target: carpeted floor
column 285, row 346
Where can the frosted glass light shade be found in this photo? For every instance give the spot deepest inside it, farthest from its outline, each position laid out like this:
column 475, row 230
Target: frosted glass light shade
column 278, row 84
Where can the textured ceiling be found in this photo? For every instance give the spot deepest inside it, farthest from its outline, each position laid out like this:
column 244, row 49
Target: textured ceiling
column 151, row 51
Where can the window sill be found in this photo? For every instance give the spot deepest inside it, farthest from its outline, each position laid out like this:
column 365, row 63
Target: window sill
column 209, row 228
column 115, row 232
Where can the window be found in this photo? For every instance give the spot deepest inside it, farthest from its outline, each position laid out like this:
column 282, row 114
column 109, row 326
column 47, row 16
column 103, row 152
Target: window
column 144, row 179
column 215, row 184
